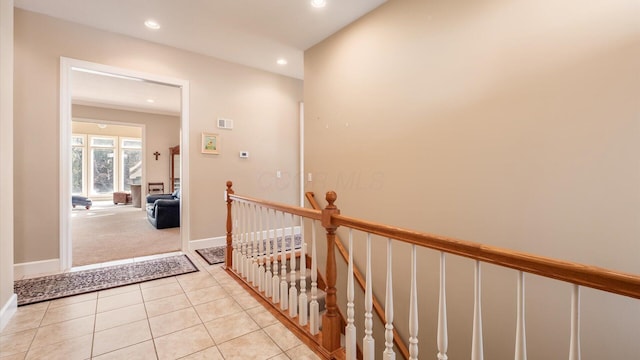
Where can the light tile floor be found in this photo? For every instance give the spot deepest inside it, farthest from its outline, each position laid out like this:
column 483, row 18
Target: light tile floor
column 202, row 315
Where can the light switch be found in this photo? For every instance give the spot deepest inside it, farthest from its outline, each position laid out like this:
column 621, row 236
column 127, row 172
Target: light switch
column 278, row 174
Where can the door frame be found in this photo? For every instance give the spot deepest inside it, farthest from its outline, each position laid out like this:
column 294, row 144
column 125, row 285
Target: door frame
column 66, row 66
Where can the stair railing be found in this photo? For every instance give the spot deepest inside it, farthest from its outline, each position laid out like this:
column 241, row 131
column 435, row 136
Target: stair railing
column 357, row 276
column 245, row 248
column 579, row 275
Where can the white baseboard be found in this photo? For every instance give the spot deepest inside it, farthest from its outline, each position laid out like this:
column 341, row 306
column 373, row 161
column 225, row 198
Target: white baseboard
column 205, row 243
column 8, row 310
column 222, row 240
column 287, row 231
column 35, row 268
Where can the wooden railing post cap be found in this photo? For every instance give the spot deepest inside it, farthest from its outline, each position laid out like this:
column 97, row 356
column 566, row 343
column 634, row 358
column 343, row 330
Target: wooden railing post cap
column 330, row 210
column 229, row 189
column 331, row 198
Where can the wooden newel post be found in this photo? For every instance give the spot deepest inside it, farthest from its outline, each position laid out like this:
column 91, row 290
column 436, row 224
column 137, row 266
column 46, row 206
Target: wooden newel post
column 228, row 258
column 331, row 319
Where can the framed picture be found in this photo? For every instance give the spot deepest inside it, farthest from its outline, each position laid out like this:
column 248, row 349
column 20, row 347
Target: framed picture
column 210, row 143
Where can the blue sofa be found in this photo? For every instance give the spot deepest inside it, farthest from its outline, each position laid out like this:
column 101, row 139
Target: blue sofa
column 163, row 210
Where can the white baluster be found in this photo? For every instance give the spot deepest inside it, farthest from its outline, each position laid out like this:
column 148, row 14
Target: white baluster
column 350, row 330
column 303, row 311
column 275, row 281
column 293, row 291
column 252, row 244
column 314, row 308
column 267, row 274
column 443, row 338
column 238, row 248
column 243, row 258
column 238, row 262
column 388, row 353
column 247, row 241
column 521, row 338
column 574, row 345
column 261, row 252
column 368, row 343
column 413, row 309
column 256, row 248
column 235, row 241
column 477, row 352
column 284, row 289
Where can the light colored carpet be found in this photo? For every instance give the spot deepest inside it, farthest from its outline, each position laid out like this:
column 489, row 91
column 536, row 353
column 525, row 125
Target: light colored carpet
column 110, row 232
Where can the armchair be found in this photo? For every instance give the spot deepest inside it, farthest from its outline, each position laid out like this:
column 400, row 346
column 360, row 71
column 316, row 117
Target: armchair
column 163, row 210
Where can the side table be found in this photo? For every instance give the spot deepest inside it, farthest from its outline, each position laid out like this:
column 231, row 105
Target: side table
column 136, row 195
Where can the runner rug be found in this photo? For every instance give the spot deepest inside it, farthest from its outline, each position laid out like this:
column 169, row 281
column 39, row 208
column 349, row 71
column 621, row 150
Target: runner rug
column 51, row 287
column 215, row 255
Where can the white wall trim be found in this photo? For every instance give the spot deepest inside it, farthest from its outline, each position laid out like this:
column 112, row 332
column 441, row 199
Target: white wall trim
column 206, row 243
column 7, row 188
column 222, row 240
column 36, row 267
column 8, row 310
column 301, row 152
column 66, row 250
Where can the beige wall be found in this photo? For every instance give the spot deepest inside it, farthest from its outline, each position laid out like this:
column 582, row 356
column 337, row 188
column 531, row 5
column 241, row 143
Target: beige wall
column 263, row 105
column 162, row 132
column 6, row 160
column 511, row 123
column 81, row 126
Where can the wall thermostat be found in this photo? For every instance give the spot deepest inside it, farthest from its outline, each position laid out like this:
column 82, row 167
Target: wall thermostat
column 244, row 154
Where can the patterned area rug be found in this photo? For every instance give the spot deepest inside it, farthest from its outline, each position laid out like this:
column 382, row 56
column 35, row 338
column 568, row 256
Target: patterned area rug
column 213, row 255
column 216, row 254
column 51, row 287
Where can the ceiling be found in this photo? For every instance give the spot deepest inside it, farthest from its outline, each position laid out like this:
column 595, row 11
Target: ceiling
column 255, row 33
column 250, row 32
column 119, row 92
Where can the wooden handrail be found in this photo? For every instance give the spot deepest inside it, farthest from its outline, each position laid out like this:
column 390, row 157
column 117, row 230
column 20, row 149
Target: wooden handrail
column 307, row 213
column 584, row 275
column 611, row 281
column 580, row 274
column 400, row 345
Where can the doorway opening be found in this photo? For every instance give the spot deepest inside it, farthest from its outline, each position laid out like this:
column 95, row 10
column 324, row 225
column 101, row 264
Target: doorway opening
column 115, row 168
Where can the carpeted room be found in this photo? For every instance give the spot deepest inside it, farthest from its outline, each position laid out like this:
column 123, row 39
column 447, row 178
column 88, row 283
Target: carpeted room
column 108, row 232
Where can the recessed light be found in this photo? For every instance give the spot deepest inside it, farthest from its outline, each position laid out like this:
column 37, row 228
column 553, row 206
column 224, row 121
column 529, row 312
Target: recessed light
column 152, row 24
column 318, row 3
column 150, row 101
column 282, row 61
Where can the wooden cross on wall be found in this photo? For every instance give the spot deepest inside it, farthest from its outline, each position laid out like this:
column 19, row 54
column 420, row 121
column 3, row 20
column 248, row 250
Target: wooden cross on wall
column 156, row 154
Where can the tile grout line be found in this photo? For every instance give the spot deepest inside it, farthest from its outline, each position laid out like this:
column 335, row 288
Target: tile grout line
column 146, row 312
column 219, row 279
column 93, row 334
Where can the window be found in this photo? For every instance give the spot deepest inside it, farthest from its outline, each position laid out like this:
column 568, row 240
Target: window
column 78, row 166
column 103, row 164
column 131, row 160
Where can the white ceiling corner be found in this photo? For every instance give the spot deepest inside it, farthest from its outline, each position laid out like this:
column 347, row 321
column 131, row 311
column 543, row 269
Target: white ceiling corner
column 254, row 33
column 250, row 32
